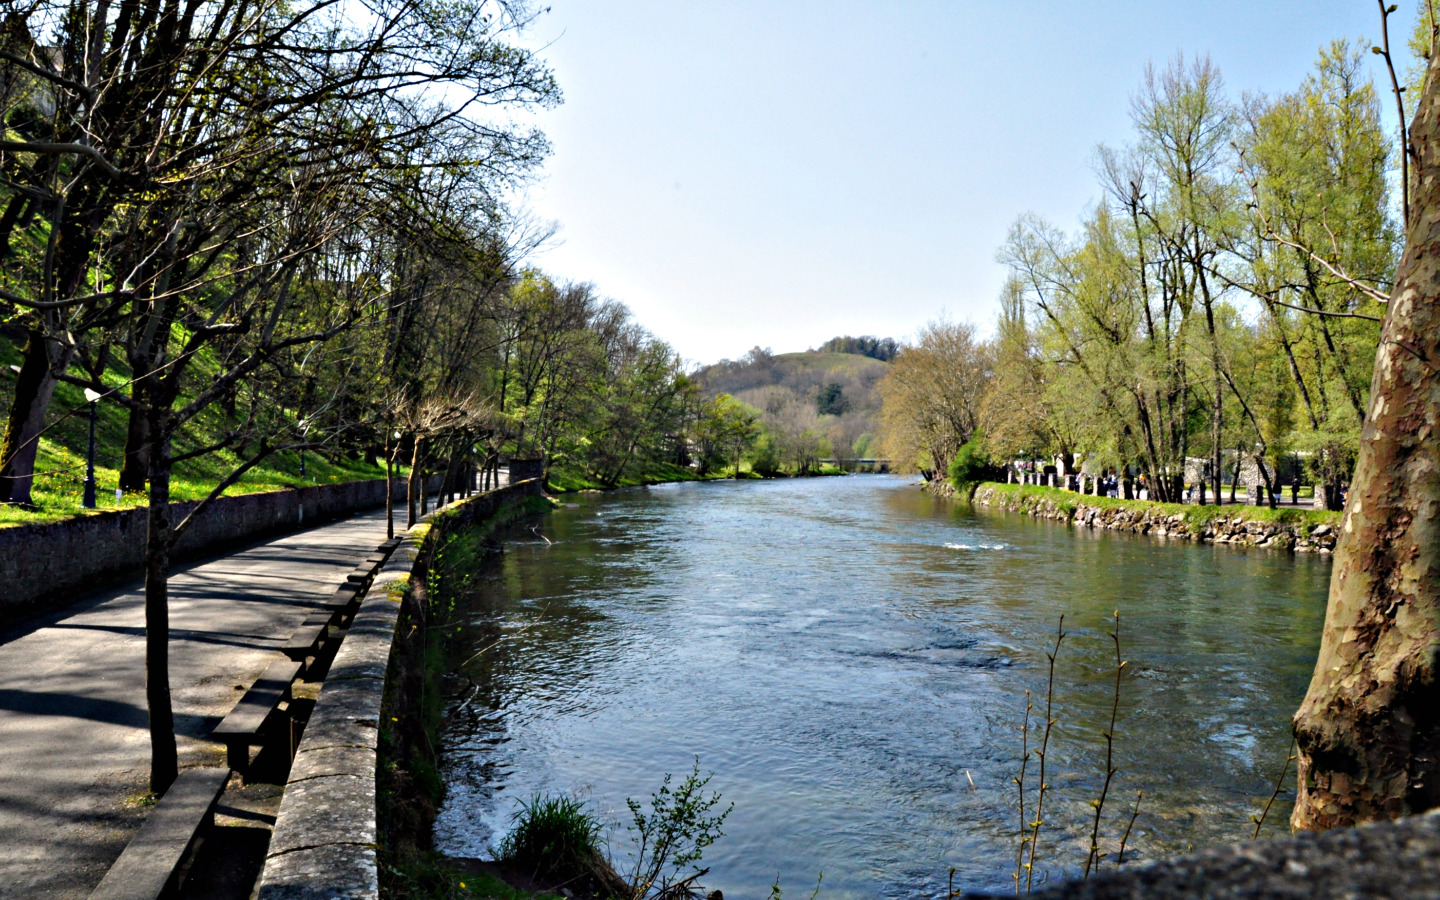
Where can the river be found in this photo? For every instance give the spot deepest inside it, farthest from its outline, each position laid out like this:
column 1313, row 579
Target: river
column 850, row 657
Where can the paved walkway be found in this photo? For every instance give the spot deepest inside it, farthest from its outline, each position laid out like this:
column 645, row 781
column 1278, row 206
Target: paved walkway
column 74, row 749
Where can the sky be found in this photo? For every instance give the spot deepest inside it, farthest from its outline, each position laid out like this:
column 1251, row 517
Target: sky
column 778, row 173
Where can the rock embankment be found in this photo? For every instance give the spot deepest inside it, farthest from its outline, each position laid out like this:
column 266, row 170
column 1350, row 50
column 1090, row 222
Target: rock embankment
column 1206, row 524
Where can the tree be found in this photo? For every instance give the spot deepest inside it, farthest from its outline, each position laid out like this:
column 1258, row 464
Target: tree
column 1369, row 728
column 729, row 428
column 931, row 397
column 1321, row 247
column 209, row 179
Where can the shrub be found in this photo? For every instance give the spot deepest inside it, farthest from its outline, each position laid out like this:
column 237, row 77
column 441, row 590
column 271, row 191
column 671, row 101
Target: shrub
column 970, row 463
column 553, row 838
column 766, row 461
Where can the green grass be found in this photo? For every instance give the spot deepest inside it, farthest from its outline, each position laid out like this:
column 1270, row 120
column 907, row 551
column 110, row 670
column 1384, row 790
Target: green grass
column 433, row 877
column 566, row 479
column 1197, row 517
column 824, row 361
column 552, row 836
column 60, row 459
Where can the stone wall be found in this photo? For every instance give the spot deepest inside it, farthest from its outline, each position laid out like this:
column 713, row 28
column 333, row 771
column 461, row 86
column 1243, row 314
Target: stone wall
column 1384, row 861
column 323, row 845
column 51, row 565
column 1206, row 524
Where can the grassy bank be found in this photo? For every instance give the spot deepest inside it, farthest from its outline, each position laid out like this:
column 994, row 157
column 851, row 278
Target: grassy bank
column 567, row 479
column 409, row 786
column 60, row 458
column 1197, row 517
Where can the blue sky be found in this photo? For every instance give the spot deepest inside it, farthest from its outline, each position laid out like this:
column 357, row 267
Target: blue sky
column 777, row 173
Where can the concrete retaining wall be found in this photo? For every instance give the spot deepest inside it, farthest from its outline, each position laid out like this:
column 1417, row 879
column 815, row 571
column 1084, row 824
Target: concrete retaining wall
column 51, row 565
column 1206, row 524
column 323, row 846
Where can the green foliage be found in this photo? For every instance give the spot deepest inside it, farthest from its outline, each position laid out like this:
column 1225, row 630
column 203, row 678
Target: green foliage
column 553, row 837
column 1177, row 329
column 831, row 400
column 970, row 463
column 883, row 349
column 673, row 835
column 60, row 461
column 725, row 432
column 765, row 460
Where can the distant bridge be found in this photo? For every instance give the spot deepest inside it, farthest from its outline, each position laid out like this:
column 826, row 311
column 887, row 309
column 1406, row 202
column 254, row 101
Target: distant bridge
column 864, row 462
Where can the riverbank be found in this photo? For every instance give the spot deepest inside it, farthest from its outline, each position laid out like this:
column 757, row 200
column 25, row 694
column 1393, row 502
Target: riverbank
column 563, row 480
column 409, row 787
column 1297, row 530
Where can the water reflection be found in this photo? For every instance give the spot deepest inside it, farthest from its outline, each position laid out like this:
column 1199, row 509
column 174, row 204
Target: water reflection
column 842, row 652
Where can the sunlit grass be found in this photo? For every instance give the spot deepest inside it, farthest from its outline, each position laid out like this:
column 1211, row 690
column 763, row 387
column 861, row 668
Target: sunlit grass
column 1196, row 516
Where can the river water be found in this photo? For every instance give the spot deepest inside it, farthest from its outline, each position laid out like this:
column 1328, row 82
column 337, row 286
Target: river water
column 850, row 657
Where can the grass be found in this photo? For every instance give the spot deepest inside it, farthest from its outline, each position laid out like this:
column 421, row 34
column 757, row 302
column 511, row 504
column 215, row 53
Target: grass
column 409, row 785
column 553, row 837
column 60, row 458
column 432, row 877
column 567, row 479
column 1197, row 517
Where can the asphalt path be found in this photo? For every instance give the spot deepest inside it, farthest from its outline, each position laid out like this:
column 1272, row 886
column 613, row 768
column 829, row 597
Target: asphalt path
column 74, row 746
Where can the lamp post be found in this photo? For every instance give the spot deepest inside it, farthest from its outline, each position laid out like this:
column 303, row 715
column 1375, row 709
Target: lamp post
column 390, row 486
column 88, row 501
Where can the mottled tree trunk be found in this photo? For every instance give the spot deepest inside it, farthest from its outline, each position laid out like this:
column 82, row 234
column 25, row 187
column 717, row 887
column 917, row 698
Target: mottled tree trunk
column 1369, row 728
column 135, row 465
column 42, row 359
column 164, row 759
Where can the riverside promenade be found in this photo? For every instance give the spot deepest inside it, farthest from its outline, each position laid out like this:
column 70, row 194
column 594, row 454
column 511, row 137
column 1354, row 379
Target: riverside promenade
column 74, row 745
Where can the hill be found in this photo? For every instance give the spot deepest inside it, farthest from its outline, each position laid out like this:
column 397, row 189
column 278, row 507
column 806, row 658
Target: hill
column 828, row 394
column 60, row 462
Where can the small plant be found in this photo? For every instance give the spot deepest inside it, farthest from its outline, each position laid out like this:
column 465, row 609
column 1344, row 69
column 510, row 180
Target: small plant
column 1031, row 822
column 777, row 894
column 1279, row 786
column 554, row 838
column 1040, row 754
column 672, row 835
column 1092, row 860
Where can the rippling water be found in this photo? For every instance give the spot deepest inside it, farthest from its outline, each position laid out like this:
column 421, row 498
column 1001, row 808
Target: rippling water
column 848, row 655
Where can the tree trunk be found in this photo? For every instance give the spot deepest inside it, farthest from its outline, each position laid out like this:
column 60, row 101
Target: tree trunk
column 1369, row 728
column 34, row 386
column 137, row 445
column 410, row 486
column 449, row 484
column 164, row 760
column 1235, row 479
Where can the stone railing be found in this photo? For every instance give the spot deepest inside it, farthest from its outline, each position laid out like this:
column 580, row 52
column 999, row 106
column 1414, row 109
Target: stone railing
column 43, row 565
column 325, row 834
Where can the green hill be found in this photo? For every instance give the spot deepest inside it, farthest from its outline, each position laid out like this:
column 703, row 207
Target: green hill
column 60, row 462
column 832, row 394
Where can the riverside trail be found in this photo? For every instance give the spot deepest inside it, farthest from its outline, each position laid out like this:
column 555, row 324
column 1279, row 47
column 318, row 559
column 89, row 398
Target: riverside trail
column 72, row 687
